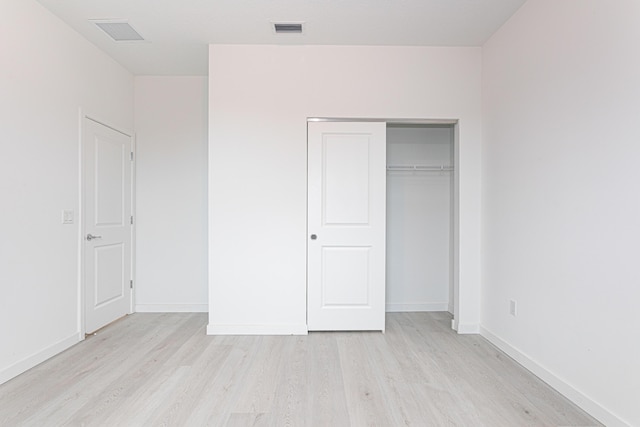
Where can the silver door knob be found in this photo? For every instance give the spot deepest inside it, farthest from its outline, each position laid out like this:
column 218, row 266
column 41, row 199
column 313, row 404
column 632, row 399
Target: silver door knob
column 91, row 237
column 314, row 237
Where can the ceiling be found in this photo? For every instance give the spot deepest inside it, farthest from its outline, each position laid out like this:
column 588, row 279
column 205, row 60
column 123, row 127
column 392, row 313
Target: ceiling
column 177, row 32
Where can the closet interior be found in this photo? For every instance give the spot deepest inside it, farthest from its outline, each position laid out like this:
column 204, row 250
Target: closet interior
column 420, row 174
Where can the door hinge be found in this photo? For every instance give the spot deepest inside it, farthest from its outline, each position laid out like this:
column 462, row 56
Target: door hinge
column 131, row 219
column 131, row 284
column 132, row 156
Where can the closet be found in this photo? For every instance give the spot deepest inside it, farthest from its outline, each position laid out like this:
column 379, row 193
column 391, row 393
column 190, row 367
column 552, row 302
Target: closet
column 379, row 221
column 420, row 174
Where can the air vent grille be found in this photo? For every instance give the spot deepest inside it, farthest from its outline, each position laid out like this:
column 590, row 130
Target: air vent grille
column 287, row 27
column 119, row 31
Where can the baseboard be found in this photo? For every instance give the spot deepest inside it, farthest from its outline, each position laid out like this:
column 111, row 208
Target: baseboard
column 275, row 329
column 567, row 390
column 425, row 306
column 37, row 358
column 172, row 308
column 465, row 328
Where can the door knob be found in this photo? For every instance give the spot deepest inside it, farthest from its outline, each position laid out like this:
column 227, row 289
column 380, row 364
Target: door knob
column 91, row 237
column 314, row 237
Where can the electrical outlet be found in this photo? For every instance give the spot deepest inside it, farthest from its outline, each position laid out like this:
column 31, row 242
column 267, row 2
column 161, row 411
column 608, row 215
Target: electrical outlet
column 513, row 308
column 67, row 217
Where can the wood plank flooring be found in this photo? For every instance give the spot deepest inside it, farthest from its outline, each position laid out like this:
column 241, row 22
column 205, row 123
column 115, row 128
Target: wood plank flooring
column 162, row 370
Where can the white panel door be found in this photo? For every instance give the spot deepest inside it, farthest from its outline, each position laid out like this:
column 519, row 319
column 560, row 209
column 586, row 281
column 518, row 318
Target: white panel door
column 107, row 224
column 346, row 225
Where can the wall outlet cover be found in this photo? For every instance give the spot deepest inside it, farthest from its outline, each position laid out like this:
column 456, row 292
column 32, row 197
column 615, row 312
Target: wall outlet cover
column 513, row 307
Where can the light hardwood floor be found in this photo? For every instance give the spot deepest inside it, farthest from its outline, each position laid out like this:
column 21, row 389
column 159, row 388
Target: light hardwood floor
column 161, row 369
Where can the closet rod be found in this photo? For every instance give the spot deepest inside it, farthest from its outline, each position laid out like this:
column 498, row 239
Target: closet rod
column 441, row 168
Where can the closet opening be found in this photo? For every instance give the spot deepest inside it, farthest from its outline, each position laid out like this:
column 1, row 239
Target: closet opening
column 382, row 220
column 421, row 214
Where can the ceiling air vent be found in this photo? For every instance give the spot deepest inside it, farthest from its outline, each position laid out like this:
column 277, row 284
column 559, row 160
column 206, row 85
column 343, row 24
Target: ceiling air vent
column 119, row 31
column 287, row 27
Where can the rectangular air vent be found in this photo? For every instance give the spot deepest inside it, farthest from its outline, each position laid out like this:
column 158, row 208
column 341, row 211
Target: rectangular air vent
column 119, row 31
column 287, row 27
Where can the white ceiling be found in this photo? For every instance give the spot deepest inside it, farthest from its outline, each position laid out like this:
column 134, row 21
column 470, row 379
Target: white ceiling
column 178, row 31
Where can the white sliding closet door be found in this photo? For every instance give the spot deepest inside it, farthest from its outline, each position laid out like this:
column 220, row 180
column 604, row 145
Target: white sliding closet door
column 346, row 225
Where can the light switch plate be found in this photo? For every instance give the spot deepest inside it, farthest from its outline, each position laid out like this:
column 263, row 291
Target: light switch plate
column 67, row 217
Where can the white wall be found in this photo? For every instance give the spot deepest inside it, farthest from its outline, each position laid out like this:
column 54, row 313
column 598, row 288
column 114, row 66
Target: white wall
column 260, row 98
column 47, row 73
column 418, row 219
column 171, row 180
column 561, row 205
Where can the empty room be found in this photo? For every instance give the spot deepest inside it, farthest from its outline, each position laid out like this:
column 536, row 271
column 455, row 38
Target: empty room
column 322, row 213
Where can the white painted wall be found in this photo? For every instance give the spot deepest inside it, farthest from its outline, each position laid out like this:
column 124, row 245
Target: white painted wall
column 47, row 73
column 171, row 207
column 260, row 98
column 418, row 219
column 561, row 206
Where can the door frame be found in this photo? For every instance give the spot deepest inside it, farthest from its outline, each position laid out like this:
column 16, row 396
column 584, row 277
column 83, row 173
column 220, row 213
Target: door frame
column 81, row 215
column 454, row 277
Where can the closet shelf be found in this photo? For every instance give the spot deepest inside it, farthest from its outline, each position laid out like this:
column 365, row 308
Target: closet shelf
column 417, row 168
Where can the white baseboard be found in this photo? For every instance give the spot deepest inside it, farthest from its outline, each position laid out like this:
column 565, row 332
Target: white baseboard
column 567, row 390
column 425, row 306
column 465, row 328
column 172, row 308
column 276, row 329
column 35, row 359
